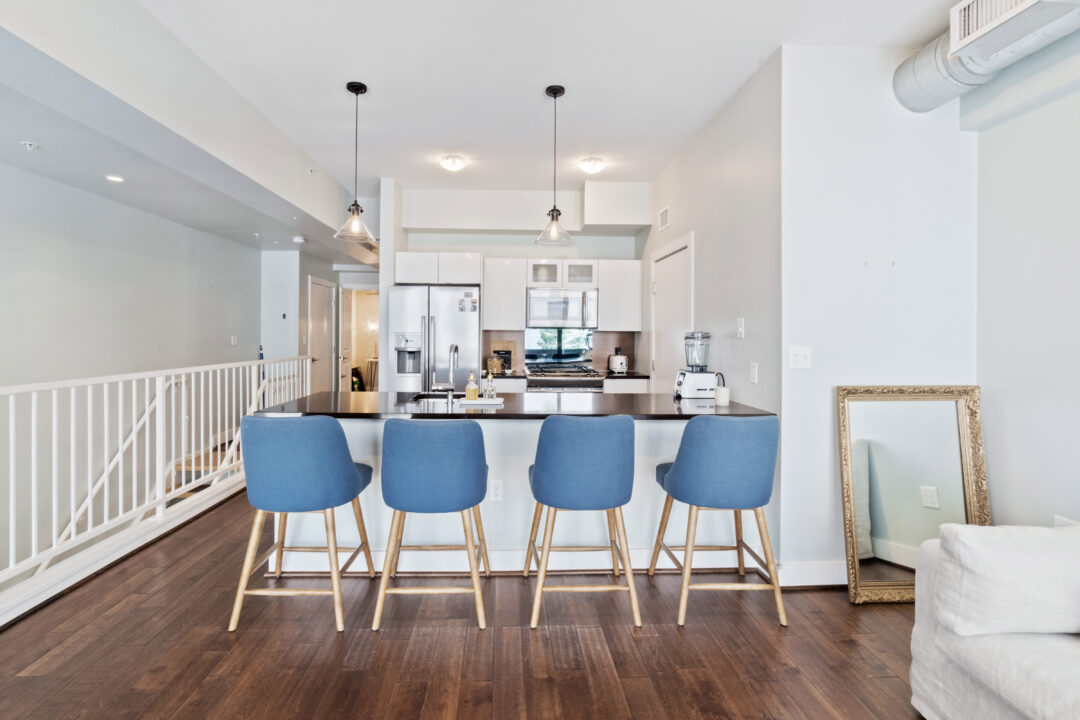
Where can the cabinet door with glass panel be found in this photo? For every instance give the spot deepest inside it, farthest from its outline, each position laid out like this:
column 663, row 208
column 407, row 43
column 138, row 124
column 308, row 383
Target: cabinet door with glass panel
column 544, row 272
column 580, row 274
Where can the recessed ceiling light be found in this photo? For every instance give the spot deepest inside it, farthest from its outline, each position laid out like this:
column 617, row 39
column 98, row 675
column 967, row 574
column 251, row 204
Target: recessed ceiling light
column 277, row 242
column 299, row 239
column 591, row 165
column 453, row 163
column 29, row 144
column 114, row 178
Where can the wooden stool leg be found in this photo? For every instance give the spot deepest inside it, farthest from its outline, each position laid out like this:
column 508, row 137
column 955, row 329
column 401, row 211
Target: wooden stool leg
column 363, row 536
column 245, row 573
column 766, row 544
column 614, row 544
column 483, row 541
column 738, row 541
column 688, row 561
column 626, row 565
column 388, row 563
column 282, row 518
column 466, row 524
column 668, row 500
column 549, row 529
column 397, row 546
column 335, row 575
column 531, row 547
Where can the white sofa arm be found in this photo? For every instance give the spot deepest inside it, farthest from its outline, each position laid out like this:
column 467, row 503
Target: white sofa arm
column 926, row 567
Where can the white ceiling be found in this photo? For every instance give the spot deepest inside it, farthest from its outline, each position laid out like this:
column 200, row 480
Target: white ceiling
column 468, row 77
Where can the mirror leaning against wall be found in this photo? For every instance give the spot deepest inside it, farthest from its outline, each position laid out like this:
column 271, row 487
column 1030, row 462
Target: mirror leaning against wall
column 911, row 459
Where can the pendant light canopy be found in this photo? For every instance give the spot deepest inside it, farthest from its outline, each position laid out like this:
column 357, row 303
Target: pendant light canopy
column 354, row 229
column 554, row 234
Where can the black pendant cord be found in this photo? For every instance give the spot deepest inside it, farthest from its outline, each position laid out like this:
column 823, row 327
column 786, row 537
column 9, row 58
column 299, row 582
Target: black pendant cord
column 554, row 151
column 356, row 153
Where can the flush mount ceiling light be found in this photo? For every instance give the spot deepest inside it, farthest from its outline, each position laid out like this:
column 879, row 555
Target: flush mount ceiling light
column 554, row 235
column 453, row 163
column 591, row 165
column 114, row 178
column 299, row 239
column 354, row 229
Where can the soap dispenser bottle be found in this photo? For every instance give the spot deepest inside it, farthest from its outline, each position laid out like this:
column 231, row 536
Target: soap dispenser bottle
column 472, row 390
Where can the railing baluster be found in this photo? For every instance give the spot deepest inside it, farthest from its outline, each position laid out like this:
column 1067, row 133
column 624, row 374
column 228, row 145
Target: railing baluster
column 172, row 429
column 71, row 494
column 120, row 448
column 89, row 457
column 159, row 444
column 11, row 480
column 134, row 444
column 146, row 434
column 105, row 447
column 55, row 488
column 33, row 473
column 218, row 415
column 202, row 423
column 183, row 427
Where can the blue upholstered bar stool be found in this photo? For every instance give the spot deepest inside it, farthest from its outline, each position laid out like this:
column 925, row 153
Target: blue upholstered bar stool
column 583, row 463
column 723, row 463
column 299, row 464
column 432, row 466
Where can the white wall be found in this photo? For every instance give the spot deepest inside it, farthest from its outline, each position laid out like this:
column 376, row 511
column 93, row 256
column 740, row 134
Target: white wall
column 725, row 186
column 93, row 287
column 878, row 264
column 523, row 244
column 1029, row 226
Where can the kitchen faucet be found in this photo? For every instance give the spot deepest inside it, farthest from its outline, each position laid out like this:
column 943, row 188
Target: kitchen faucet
column 453, row 361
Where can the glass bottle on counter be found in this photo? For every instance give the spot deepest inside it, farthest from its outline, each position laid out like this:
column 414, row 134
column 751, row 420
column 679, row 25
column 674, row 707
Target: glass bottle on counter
column 472, row 390
column 489, row 386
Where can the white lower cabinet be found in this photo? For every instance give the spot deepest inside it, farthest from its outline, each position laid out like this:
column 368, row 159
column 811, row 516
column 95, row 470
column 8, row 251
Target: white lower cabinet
column 509, row 385
column 633, row 386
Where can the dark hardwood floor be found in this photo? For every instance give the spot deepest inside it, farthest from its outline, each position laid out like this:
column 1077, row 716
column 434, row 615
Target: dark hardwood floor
column 147, row 638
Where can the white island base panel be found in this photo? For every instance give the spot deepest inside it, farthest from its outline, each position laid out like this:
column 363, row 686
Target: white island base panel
column 510, row 446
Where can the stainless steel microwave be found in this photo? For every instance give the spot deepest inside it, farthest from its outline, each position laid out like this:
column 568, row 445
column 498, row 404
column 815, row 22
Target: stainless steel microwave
column 558, row 308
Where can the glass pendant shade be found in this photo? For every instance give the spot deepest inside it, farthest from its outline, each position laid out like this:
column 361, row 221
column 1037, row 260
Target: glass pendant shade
column 354, row 228
column 554, row 235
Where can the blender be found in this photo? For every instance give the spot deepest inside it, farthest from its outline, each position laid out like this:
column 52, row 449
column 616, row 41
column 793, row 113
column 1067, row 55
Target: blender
column 695, row 380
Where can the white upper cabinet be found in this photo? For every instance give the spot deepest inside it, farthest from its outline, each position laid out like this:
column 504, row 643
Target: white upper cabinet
column 503, row 301
column 619, row 295
column 579, row 274
column 428, row 268
column 420, row 268
column 461, row 268
column 544, row 272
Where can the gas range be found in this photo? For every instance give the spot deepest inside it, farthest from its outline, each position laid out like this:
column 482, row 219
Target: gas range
column 563, row 377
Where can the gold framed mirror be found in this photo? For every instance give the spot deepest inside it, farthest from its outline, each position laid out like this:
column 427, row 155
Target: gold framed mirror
column 911, row 459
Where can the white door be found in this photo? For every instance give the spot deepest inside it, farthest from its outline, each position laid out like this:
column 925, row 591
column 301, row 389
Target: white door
column 672, row 310
column 345, row 341
column 321, row 335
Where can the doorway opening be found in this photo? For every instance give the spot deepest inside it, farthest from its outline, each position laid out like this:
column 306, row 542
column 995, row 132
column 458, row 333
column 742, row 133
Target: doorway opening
column 359, row 340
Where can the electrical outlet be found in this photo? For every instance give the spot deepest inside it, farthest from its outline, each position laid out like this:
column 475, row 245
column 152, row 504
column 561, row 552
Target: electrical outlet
column 800, row 356
column 1062, row 521
column 930, row 497
column 740, row 328
column 753, row 373
column 495, row 491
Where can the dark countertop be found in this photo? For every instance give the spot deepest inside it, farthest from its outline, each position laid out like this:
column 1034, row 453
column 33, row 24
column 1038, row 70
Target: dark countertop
column 522, row 406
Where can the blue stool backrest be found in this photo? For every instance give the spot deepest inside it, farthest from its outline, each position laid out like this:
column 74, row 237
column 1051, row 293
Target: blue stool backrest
column 297, row 464
column 584, row 463
column 726, row 462
column 433, row 466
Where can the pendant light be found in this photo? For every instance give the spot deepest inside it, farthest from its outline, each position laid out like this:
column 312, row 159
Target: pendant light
column 554, row 235
column 354, row 229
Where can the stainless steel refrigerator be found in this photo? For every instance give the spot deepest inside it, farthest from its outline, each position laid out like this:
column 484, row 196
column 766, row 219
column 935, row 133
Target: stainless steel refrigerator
column 427, row 324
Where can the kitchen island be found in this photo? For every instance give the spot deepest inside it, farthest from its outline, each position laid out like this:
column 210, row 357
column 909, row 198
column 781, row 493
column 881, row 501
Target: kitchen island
column 510, row 436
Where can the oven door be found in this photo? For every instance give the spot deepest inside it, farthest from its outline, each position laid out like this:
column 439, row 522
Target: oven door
column 555, row 308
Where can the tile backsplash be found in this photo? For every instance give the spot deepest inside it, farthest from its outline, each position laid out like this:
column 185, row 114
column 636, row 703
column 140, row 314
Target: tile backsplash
column 604, row 344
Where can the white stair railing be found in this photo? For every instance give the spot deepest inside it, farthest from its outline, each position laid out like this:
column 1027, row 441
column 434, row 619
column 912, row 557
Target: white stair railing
column 97, row 467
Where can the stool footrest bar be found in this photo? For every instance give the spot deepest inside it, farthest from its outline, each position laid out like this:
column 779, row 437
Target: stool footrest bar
column 586, row 588
column 288, row 591
column 429, row 590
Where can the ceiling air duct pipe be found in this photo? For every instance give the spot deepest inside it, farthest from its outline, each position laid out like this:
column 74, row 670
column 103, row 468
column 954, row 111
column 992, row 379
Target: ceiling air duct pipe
column 935, row 75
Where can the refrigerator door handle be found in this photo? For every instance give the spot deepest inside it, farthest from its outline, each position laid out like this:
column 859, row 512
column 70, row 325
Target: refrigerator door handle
column 584, row 309
column 424, row 352
column 431, row 353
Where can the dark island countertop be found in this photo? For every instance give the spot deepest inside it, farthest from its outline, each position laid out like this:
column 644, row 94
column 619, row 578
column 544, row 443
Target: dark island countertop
column 522, row 406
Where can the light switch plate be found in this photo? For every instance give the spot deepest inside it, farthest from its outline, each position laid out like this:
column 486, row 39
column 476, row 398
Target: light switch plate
column 800, row 356
column 740, row 328
column 495, row 491
column 232, row 340
column 753, row 373
column 930, row 497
